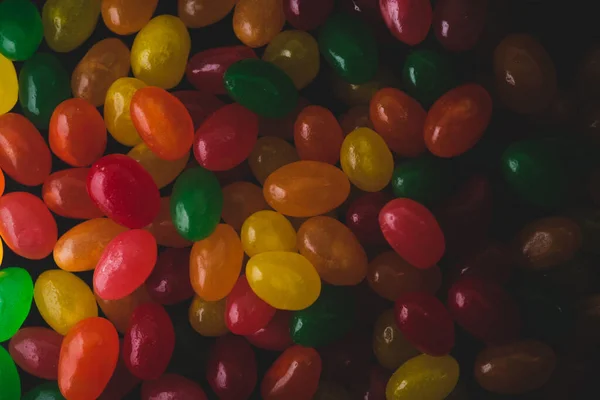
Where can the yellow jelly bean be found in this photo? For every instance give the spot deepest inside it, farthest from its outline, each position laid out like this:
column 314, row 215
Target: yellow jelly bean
column 423, row 377
column 116, row 110
column 267, row 231
column 69, row 23
column 208, row 317
column 162, row 171
column 285, row 280
column 9, row 85
column 63, row 299
column 367, row 160
column 160, row 52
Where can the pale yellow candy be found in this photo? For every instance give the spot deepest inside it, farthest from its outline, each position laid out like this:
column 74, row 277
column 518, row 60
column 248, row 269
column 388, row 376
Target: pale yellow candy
column 9, row 85
column 267, row 231
column 116, row 110
column 69, row 23
column 162, row 171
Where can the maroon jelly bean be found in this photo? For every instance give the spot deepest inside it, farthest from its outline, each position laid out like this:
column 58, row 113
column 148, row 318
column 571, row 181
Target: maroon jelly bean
column 36, row 351
column 275, row 335
column 199, row 104
column 169, row 282
column 245, row 312
column 491, row 261
column 362, row 218
column 307, row 14
column 458, row 23
column 172, row 387
column 231, row 369
column 408, row 20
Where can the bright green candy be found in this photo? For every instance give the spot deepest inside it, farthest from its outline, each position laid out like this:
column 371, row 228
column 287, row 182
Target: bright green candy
column 427, row 75
column 10, row 383
column 426, row 179
column 16, row 294
column 261, row 87
column 46, row 391
column 43, row 84
column 350, row 48
column 21, row 30
column 196, row 203
column 326, row 320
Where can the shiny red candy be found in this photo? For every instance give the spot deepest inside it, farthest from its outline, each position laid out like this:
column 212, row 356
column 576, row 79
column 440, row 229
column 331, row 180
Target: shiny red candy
column 307, row 15
column 293, row 376
column 458, row 23
column 245, row 312
column 65, row 193
column 275, row 335
column 169, row 282
column 362, row 218
column 231, row 369
column 121, row 382
column 199, row 104
column 173, row 387
column 407, row 20
column 124, row 191
column 36, row 351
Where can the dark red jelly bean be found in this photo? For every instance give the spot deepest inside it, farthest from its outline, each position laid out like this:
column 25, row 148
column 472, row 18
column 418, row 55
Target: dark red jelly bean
column 307, row 14
column 458, row 23
column 199, row 104
column 373, row 387
column 343, row 361
column 492, row 262
column 231, row 369
column 124, row 191
column 276, row 335
column 169, row 282
column 245, row 312
column 408, row 20
column 172, row 387
column 36, row 351
column 121, row 383
column 362, row 218
column 293, row 376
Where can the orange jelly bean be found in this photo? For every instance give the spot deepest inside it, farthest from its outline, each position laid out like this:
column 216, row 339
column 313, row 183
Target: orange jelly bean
column 215, row 263
column 318, row 136
column 65, row 193
column 257, row 22
column 241, row 200
column 200, row 13
column 119, row 311
column 163, row 122
column 306, row 189
column 2, row 182
column 77, row 133
column 24, row 155
column 162, row 227
column 270, row 154
column 457, row 120
column 125, row 17
column 88, row 357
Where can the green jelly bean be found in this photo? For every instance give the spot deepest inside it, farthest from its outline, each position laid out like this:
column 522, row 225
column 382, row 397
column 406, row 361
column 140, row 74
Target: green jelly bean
column 326, row 320
column 427, row 75
column 349, row 46
column 16, row 294
column 261, row 87
column 10, row 383
column 425, row 179
column 196, row 203
column 46, row 391
column 21, row 30
column 43, row 84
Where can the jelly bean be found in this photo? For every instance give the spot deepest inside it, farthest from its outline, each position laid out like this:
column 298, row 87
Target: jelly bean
column 245, row 312
column 127, row 17
column 297, row 54
column 163, row 229
column 21, row 30
column 10, row 382
column 306, row 189
column 356, row 117
column 524, row 73
column 275, row 335
column 367, row 160
column 121, row 383
column 16, row 294
column 587, row 220
column 484, row 310
column 264, row 272
column 459, row 24
column 241, row 200
column 457, row 120
column 374, row 387
column 160, row 51
column 9, row 86
column 427, row 75
column 399, row 119
column 201, row 13
column 102, row 65
column 257, row 22
column 163, row 122
column 349, row 47
column 516, row 368
column 208, row 317
column 125, row 263
column 425, row 323
column 307, row 14
column 270, row 154
column 317, row 135
column 123, row 191
column 492, row 261
column 162, row 171
column 169, row 282
column 362, row 218
column 65, row 193
column 231, row 368
column 282, row 127
column 69, row 23
column 333, row 250
column 407, row 20
column 43, row 85
column 205, row 70
column 117, row 113
column 119, row 311
column 327, row 320
column 423, row 377
column 88, row 357
column 196, row 203
column 426, row 179
column 172, row 386
column 27, row 226
column 200, row 105
column 35, row 350
column 413, row 232
column 294, row 375
column 277, row 95
column 63, row 299
column 391, row 277
column 149, row 341
column 45, row 391
column 77, row 133
column 390, row 346
column 344, row 360
column 2, row 186
column 266, row 231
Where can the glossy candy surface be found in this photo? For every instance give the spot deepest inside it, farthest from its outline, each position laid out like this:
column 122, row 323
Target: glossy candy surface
column 172, row 386
column 275, row 335
column 266, row 231
column 245, row 312
column 294, row 375
column 65, row 193
column 162, row 171
column 407, row 20
column 117, row 114
column 21, row 30
column 269, row 154
column 317, row 135
column 390, row 347
column 169, row 282
column 69, row 23
column 241, row 200
column 208, row 317
column 459, row 24
column 163, row 228
column 16, row 294
column 200, row 13
column 36, row 351
column 125, row 17
column 9, row 86
column 199, row 104
column 257, row 22
column 307, row 14
column 231, row 368
column 119, row 311
column 427, row 75
column 10, row 381
column 362, row 218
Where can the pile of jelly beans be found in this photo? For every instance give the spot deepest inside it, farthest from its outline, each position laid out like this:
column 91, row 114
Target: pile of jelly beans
column 296, row 200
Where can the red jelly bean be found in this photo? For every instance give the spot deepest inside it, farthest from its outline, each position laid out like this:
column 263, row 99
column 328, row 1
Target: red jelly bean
column 149, row 341
column 374, row 387
column 362, row 218
column 318, row 135
column 245, row 312
column 413, row 232
column 27, row 226
column 484, row 310
column 307, row 15
column 231, row 368
column 458, row 23
column 172, row 387
column 199, row 104
column 121, row 383
column 124, row 191
column 408, row 20
column 226, row 138
column 492, row 262
column 282, row 127
column 169, row 282
column 205, row 70
column 125, row 264
column 275, row 335
column 36, row 351
column 65, row 193
column 293, row 376
column 425, row 322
